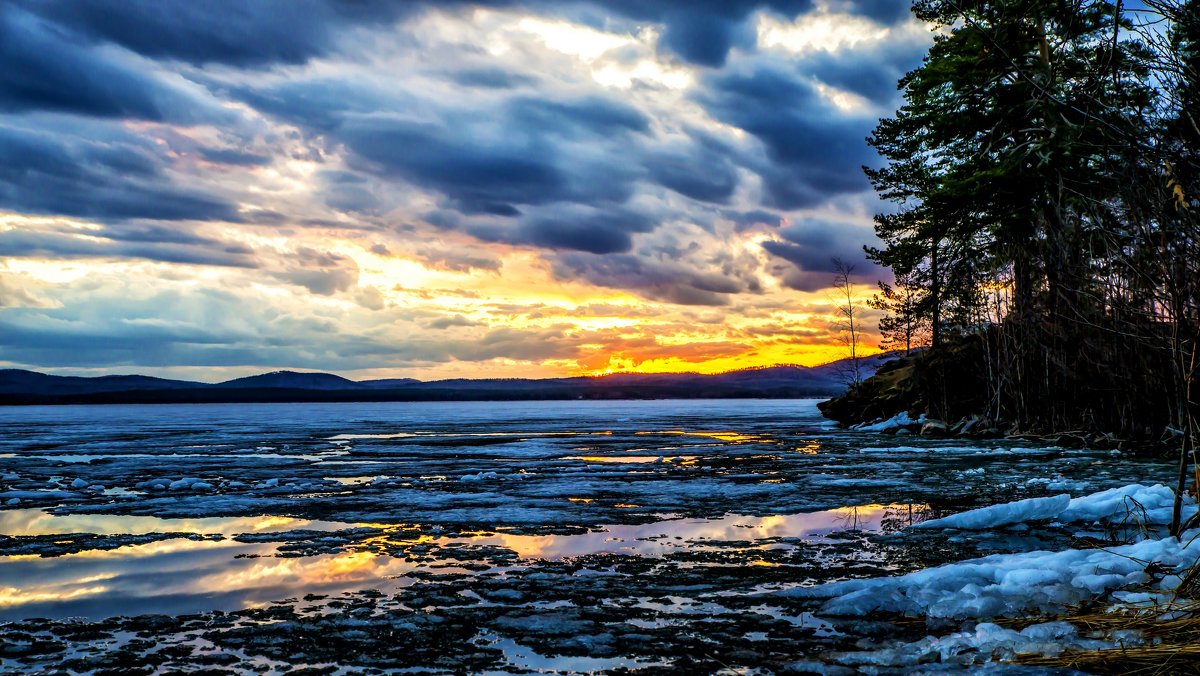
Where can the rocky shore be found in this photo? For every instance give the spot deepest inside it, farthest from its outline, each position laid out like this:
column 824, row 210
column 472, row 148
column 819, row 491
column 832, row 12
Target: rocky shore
column 942, row 395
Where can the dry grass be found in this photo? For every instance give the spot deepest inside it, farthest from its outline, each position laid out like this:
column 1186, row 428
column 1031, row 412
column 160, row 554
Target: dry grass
column 1171, row 632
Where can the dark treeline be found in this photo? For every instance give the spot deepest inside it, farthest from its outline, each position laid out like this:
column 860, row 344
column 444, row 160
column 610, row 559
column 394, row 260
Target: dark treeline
column 1045, row 168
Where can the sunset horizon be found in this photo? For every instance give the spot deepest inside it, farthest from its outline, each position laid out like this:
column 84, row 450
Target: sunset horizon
column 439, row 191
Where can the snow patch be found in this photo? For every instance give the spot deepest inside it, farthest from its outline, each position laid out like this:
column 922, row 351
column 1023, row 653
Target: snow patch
column 479, row 477
column 1127, row 502
column 1007, row 585
column 1033, row 509
column 902, row 419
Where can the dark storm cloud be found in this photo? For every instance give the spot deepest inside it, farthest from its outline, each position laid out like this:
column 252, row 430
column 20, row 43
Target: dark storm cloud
column 482, row 171
column 577, row 229
column 41, row 68
column 882, row 11
column 52, row 173
column 871, row 72
column 745, row 220
column 700, row 173
column 555, row 168
column 238, row 158
column 703, row 32
column 651, row 278
column 600, row 233
column 815, row 151
column 705, row 39
column 347, row 191
column 581, row 156
column 810, row 248
column 802, row 257
column 266, row 32
column 162, row 245
column 490, row 77
column 585, row 116
column 231, row 32
column 321, row 104
column 477, row 178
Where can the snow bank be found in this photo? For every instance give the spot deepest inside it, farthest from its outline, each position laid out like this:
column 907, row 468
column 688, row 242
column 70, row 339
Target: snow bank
column 1135, row 503
column 1117, row 503
column 1006, row 585
column 897, row 421
column 965, row 648
column 1033, row 509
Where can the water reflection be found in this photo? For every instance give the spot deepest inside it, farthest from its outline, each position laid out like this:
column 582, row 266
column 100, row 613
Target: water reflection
column 663, row 537
column 731, row 437
column 634, row 459
column 26, row 522
column 181, row 576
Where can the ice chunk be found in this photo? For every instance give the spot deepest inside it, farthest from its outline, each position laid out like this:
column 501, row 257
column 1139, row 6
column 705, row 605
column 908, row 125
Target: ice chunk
column 184, row 483
column 479, row 477
column 1007, row 585
column 1149, row 504
column 1118, row 503
column 79, row 483
column 901, row 419
column 1033, row 509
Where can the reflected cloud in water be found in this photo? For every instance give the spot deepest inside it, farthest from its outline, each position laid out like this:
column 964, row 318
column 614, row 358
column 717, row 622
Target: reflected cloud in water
column 182, row 576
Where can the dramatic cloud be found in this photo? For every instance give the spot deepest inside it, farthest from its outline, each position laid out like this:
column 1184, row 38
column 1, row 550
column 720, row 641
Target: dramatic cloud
column 43, row 69
column 520, row 187
column 815, row 150
column 44, row 172
column 230, row 32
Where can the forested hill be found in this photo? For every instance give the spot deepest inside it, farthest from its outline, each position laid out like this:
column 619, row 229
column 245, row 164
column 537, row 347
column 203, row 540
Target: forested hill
column 28, row 387
column 1045, row 174
column 1044, row 232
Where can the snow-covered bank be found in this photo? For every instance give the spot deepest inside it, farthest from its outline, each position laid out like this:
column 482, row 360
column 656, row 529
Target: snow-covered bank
column 968, row 594
column 1011, row 585
column 1033, row 509
column 1136, row 504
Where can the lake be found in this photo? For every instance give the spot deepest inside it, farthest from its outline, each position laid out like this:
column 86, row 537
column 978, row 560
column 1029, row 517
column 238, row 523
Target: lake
column 501, row 537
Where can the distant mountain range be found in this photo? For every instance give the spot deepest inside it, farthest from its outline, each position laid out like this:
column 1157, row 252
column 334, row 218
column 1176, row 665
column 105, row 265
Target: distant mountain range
column 775, row 382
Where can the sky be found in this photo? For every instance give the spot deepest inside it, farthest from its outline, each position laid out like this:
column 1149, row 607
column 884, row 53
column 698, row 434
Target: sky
column 437, row 189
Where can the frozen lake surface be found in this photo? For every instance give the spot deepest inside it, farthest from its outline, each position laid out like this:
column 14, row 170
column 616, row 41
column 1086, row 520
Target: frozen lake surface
column 479, row 536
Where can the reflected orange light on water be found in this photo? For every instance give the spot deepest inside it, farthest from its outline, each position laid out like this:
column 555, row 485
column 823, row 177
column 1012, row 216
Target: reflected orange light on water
column 12, row 596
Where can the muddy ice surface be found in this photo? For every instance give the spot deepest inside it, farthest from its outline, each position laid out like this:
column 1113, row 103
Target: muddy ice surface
column 522, row 537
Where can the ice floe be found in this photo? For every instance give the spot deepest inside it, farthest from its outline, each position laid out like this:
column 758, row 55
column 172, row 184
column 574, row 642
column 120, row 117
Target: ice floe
column 1007, row 585
column 1033, row 509
column 1011, row 585
column 902, row 419
column 1153, row 504
column 1136, row 503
